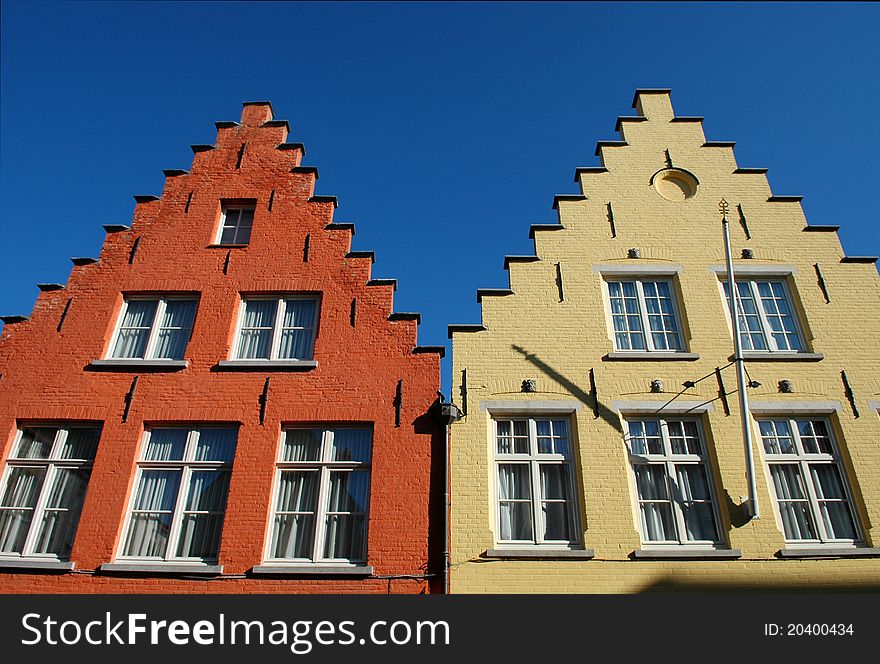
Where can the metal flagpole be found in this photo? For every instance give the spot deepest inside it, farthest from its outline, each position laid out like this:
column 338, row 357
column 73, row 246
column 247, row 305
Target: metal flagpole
column 723, row 207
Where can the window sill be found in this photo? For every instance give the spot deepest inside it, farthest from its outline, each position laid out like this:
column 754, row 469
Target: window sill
column 137, row 365
column 650, row 356
column 312, row 570
column 829, row 552
column 162, row 568
column 266, row 365
column 32, row 564
column 227, row 246
column 539, row 554
column 769, row 356
column 686, row 554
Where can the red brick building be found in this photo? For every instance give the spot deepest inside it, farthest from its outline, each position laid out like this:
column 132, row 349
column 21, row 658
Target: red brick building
column 223, row 401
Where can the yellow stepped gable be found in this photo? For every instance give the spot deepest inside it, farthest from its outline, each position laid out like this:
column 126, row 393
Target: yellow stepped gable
column 602, row 452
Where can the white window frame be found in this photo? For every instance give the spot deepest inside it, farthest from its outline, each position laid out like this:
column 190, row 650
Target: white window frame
column 669, row 460
column 647, row 333
column 766, row 330
column 803, row 460
column 186, row 466
column 153, row 334
column 535, row 461
column 280, row 309
column 52, row 464
column 224, row 212
column 324, row 465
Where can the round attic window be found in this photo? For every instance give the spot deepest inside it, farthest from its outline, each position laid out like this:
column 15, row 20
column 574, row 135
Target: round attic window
column 674, row 184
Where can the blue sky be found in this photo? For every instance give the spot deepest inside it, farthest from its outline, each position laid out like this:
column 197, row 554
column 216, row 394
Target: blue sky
column 441, row 127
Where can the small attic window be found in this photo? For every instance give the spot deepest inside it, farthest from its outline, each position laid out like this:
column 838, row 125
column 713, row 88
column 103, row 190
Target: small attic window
column 674, row 184
column 236, row 223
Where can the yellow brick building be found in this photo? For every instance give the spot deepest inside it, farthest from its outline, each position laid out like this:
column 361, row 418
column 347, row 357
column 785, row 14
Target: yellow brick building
column 601, row 449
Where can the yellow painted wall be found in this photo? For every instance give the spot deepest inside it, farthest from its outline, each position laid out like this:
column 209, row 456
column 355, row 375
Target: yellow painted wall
column 530, row 334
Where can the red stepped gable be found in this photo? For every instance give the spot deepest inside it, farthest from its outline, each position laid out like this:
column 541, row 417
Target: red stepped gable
column 59, row 367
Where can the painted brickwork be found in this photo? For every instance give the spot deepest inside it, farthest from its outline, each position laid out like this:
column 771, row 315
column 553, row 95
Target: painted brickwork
column 361, row 355
column 553, row 326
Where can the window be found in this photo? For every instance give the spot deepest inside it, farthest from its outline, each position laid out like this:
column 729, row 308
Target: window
column 535, row 488
column 643, row 315
column 154, row 329
column 180, row 494
column 809, row 486
column 236, row 224
column 322, row 489
column 670, row 472
column 277, row 329
column 43, row 490
column 766, row 319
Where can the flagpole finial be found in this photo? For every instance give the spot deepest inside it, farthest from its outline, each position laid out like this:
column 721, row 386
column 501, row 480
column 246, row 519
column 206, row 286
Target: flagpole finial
column 723, row 208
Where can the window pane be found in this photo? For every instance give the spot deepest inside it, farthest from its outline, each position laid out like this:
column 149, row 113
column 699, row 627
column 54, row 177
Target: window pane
column 243, row 235
column 777, row 438
column 293, row 536
column 557, row 524
column 833, row 503
column 216, row 444
column 174, row 332
column 514, row 482
column 351, row 444
column 81, row 443
column 837, row 520
column 150, row 525
column 200, row 533
column 645, row 437
column 700, row 522
column 135, row 329
column 814, row 437
column 344, row 537
column 36, row 443
column 657, row 522
column 228, row 235
column 651, row 482
column 298, row 491
column 302, row 445
column 516, row 521
column 797, row 522
column 692, row 482
column 165, row 444
column 63, row 508
column 256, row 329
column 22, row 488
column 348, row 491
column 554, row 481
column 298, row 327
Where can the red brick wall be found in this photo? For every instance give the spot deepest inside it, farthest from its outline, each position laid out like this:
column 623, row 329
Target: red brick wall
column 43, row 375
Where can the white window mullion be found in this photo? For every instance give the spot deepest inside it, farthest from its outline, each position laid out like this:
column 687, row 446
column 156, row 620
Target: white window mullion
column 39, row 506
column 280, row 308
column 323, row 495
column 643, row 314
column 177, row 515
column 766, row 330
column 152, row 338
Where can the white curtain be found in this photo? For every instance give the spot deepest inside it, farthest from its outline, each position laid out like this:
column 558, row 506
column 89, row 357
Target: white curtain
column 166, row 444
column 216, row 444
column 203, row 514
column 81, row 443
column 656, row 510
column 797, row 522
column 36, row 443
column 135, row 329
column 62, row 512
column 17, row 507
column 344, row 536
column 833, row 505
column 297, row 330
column 294, row 534
column 302, row 445
column 555, row 494
column 695, row 501
column 174, row 332
column 153, row 510
column 351, row 444
column 256, row 329
column 515, row 505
